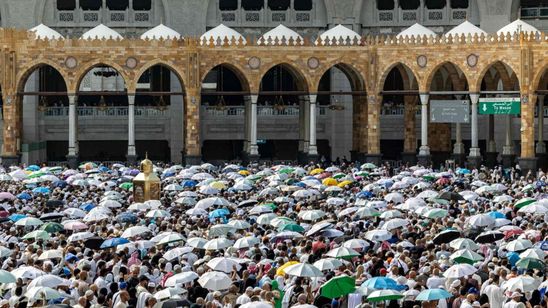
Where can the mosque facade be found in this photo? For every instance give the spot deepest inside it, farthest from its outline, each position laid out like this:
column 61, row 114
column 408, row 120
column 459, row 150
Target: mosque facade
column 278, row 80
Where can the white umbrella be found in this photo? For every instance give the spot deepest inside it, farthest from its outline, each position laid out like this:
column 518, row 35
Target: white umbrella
column 239, row 224
column 196, row 212
column 139, row 207
column 221, row 230
column 395, row 223
column 311, row 215
column 348, row 211
column 208, row 190
column 113, row 204
column 186, row 201
column 519, row 245
column 356, row 244
column 260, row 209
column 534, row 253
column 171, row 238
column 181, row 278
column 210, row 202
column 51, row 254
column 222, row 264
column 266, row 219
column 167, row 293
column 196, row 242
column 27, row 272
column 80, row 236
column 246, row 242
column 176, row 252
column 534, row 208
column 74, row 213
column 328, row 264
column 391, row 214
column 503, row 198
column 523, row 283
column 157, row 214
column 394, row 197
column 427, row 194
column 258, row 304
column 342, row 252
column 42, row 293
column 29, row 222
column 303, row 270
column 173, row 187
column 459, row 270
column 335, row 201
column 462, row 243
column 4, row 252
column 215, row 281
column 378, row 235
column 135, row 231
column 48, row 280
column 218, row 243
column 481, row 220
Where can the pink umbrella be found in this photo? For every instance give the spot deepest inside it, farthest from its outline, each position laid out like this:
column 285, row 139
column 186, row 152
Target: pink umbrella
column 6, row 196
column 75, row 225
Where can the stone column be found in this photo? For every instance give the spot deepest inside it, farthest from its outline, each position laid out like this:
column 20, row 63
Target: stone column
column 374, row 154
column 247, row 124
column 528, row 160
column 72, row 156
column 131, row 153
column 491, row 154
column 540, row 148
column 10, row 154
column 304, row 131
column 312, row 147
column 459, row 154
column 474, row 159
column 409, row 154
column 508, row 154
column 193, row 147
column 424, row 151
column 251, row 150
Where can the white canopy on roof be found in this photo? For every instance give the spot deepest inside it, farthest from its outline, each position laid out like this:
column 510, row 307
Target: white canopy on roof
column 280, row 32
column 221, row 32
column 101, row 32
column 161, row 32
column 517, row 26
column 416, row 30
column 465, row 28
column 338, row 32
column 44, row 32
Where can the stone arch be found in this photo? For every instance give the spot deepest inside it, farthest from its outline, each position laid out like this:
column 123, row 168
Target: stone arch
column 402, row 67
column 235, row 68
column 303, row 83
column 81, row 73
column 500, row 66
column 452, row 68
column 538, row 77
column 177, row 71
column 356, row 78
column 31, row 67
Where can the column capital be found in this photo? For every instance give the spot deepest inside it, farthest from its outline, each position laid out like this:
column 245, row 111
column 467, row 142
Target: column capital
column 424, row 98
column 131, row 98
column 313, row 98
column 254, row 98
column 474, row 98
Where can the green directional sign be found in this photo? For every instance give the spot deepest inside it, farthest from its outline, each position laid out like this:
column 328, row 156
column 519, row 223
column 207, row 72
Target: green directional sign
column 500, row 105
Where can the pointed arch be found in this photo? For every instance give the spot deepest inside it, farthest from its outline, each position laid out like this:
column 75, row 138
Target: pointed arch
column 80, row 74
column 504, row 71
column 302, row 83
column 234, row 68
column 33, row 66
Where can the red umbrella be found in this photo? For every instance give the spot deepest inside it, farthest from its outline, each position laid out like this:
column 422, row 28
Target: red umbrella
column 4, row 214
column 511, row 233
column 443, row 181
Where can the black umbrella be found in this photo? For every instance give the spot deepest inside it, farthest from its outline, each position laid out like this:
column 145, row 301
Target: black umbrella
column 173, row 304
column 489, row 237
column 246, row 203
column 446, row 236
column 450, row 196
column 54, row 203
column 51, row 216
column 94, row 243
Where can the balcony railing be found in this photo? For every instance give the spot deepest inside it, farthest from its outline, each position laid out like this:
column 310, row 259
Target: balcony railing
column 266, row 111
column 534, row 12
column 145, row 112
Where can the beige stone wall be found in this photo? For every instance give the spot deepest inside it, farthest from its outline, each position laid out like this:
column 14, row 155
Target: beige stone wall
column 367, row 62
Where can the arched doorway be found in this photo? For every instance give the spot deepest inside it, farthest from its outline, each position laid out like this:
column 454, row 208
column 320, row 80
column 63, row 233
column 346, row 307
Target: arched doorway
column 499, row 80
column 342, row 92
column 283, row 105
column 44, row 105
column 448, row 83
column 224, row 105
column 102, row 99
column 399, row 100
column 159, row 101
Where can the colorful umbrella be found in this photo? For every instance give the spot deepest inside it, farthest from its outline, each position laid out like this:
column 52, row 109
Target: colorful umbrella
column 338, row 286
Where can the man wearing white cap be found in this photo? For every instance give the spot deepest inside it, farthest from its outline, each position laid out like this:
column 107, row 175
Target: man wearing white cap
column 514, row 302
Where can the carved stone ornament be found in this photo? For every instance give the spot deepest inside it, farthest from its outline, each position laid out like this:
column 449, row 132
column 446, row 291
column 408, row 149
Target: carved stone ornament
column 422, row 61
column 313, row 63
column 254, row 62
column 71, row 62
column 472, row 60
column 131, row 62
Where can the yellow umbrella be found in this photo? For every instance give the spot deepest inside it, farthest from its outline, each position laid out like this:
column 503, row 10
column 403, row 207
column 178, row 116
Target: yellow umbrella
column 244, row 172
column 280, row 270
column 217, row 185
column 329, row 182
column 344, row 183
column 316, row 171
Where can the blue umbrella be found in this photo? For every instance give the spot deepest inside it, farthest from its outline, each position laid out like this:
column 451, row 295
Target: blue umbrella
column 382, row 283
column 33, row 168
column 513, row 257
column 16, row 217
column 496, row 214
column 104, row 169
column 87, row 206
column 60, row 184
column 168, row 174
column 218, row 213
column 71, row 257
column 300, row 184
column 364, row 195
column 24, row 196
column 126, row 218
column 542, row 245
column 113, row 242
column 463, row 171
column 41, row 190
column 188, row 183
column 433, row 294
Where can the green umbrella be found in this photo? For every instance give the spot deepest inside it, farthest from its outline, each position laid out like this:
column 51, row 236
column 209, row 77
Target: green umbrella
column 429, row 177
column 362, row 173
column 271, row 205
column 36, row 174
column 52, row 227
column 384, row 295
column 290, row 181
column 368, row 166
column 339, row 175
column 530, row 263
column 126, row 185
column 37, row 235
column 436, row 213
column 286, row 170
column 466, row 256
column 6, row 277
column 291, row 227
column 523, row 202
column 338, row 286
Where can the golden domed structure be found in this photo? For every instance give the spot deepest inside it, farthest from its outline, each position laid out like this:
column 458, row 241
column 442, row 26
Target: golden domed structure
column 146, row 185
